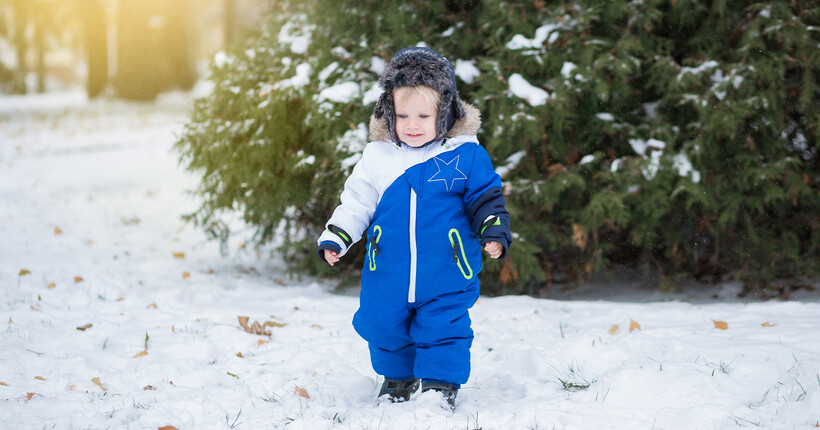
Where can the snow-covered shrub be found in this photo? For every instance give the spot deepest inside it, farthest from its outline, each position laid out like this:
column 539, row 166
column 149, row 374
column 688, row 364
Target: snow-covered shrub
column 677, row 137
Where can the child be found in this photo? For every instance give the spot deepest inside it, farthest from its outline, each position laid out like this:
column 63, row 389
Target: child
column 428, row 198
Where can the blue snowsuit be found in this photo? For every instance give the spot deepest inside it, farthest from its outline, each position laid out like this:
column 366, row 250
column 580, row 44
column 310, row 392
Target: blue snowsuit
column 425, row 214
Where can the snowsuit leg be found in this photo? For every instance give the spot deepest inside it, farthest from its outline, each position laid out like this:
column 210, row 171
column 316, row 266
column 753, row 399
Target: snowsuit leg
column 441, row 330
column 386, row 329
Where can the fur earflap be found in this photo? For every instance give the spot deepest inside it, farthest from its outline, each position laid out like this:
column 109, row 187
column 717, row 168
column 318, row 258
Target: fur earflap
column 420, row 66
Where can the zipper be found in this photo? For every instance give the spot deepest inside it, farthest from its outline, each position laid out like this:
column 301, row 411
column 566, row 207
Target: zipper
column 373, row 247
column 459, row 255
column 411, row 292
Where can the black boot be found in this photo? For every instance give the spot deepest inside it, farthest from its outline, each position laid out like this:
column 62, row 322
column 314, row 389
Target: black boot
column 399, row 391
column 449, row 391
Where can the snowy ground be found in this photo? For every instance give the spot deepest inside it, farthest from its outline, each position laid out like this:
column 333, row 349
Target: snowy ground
column 117, row 315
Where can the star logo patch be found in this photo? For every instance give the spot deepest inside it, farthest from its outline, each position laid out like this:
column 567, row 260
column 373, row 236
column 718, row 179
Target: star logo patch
column 448, row 172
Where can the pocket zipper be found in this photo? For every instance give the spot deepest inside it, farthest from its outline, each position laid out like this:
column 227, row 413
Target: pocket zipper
column 458, row 248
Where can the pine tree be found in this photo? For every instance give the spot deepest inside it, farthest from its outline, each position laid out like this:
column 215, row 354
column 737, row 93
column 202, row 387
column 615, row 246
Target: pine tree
column 676, row 137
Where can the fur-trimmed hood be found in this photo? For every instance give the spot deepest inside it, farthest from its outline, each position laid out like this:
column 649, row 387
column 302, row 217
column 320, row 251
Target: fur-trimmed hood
column 417, row 66
column 468, row 125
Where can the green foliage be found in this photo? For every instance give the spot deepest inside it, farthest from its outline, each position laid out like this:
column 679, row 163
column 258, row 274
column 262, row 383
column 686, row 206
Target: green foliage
column 677, row 137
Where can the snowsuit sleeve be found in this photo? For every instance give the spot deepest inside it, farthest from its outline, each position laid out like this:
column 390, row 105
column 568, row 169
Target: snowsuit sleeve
column 485, row 203
column 352, row 217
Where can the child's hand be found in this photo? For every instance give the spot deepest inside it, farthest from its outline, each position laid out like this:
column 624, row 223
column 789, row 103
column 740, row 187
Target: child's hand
column 331, row 257
column 494, row 248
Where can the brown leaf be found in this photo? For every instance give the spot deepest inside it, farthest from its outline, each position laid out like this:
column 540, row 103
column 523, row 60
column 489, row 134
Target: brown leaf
column 301, row 392
column 243, row 321
column 186, row 275
column 85, row 327
column 614, row 329
column 262, row 342
column 579, row 236
column 51, row 285
column 633, row 325
column 4, row 384
column 72, row 387
column 768, row 324
column 239, row 354
column 36, row 307
column 39, row 378
column 167, row 428
column 721, row 325
column 58, row 231
column 151, row 306
column 24, row 272
column 274, row 324
column 10, row 321
column 179, row 255
column 29, row 396
column 258, row 329
column 149, row 388
column 96, row 381
column 142, row 353
column 78, row 279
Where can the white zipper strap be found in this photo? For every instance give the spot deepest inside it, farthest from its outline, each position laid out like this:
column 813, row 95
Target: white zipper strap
column 411, row 293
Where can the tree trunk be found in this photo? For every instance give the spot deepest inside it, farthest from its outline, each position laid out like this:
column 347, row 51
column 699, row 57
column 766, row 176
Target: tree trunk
column 230, row 22
column 96, row 44
column 21, row 18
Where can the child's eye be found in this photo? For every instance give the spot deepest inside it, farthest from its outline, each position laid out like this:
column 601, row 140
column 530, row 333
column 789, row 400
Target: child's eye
column 401, row 115
column 424, row 116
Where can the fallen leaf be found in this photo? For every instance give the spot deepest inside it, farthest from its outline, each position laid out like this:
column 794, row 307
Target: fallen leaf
column 301, row 392
column 173, row 329
column 186, row 275
column 72, row 387
column 179, row 255
column 633, row 325
column 231, row 374
column 767, row 324
column 24, row 272
column 51, row 285
column 151, row 306
column 36, row 307
column 78, row 279
column 39, row 378
column 142, row 353
column 274, row 324
column 167, row 428
column 85, row 327
column 96, row 381
column 614, row 329
column 30, row 395
column 239, row 354
column 243, row 321
column 58, row 231
column 120, row 299
column 316, row 326
column 254, row 328
column 721, row 325
column 4, row 384
column 10, row 321
column 262, row 342
column 259, row 329
column 149, row 388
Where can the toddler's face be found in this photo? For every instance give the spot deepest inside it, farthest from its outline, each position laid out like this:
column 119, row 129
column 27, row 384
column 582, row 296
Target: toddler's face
column 415, row 120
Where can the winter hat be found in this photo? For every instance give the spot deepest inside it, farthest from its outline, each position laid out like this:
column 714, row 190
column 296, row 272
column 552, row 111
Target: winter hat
column 412, row 67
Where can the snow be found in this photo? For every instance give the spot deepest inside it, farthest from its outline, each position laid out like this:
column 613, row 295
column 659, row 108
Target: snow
column 299, row 80
column 467, row 71
column 342, row 92
column 519, row 41
column 92, row 190
column 521, row 88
